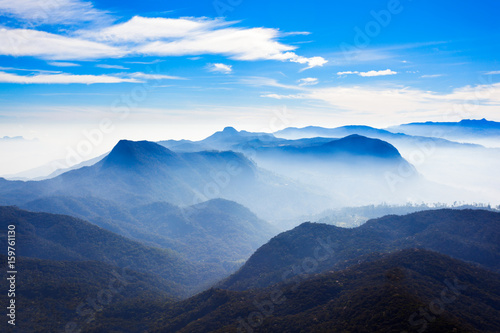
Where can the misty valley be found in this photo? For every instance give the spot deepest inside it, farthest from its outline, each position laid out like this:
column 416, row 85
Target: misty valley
column 314, row 229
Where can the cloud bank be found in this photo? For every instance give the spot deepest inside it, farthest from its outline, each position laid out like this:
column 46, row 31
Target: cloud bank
column 161, row 37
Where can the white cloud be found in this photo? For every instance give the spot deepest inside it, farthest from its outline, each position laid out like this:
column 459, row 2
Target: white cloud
column 220, row 68
column 492, row 73
column 403, row 102
column 53, row 12
column 25, row 42
column 377, row 73
column 152, row 62
column 192, row 37
column 62, row 79
column 145, row 76
column 48, row 77
column 139, row 29
column 63, row 64
column 427, row 76
column 28, row 70
column 277, row 96
column 308, row 81
column 399, row 104
column 110, row 66
column 311, row 62
column 260, row 81
column 240, row 44
column 160, row 37
column 369, row 73
column 347, row 73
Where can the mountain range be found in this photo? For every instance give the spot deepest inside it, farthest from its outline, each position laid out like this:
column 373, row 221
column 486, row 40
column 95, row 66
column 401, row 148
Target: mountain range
column 406, row 291
column 466, row 129
column 470, row 235
column 194, row 236
column 463, row 163
column 65, row 238
column 315, row 277
column 138, row 173
column 351, row 169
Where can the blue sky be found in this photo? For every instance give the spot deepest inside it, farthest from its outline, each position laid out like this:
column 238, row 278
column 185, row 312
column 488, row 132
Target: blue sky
column 183, row 69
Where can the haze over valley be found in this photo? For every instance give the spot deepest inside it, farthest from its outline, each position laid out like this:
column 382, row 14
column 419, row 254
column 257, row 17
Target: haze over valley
column 249, row 166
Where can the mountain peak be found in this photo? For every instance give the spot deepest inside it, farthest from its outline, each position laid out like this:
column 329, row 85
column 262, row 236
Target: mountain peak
column 229, row 130
column 129, row 153
column 483, row 123
column 361, row 145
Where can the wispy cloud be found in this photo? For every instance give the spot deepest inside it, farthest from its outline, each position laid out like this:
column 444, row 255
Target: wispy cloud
column 277, row 96
column 62, row 79
column 220, row 68
column 24, row 42
column 140, row 29
column 197, row 36
column 159, row 37
column 492, row 73
column 260, row 81
column 152, row 62
column 28, row 70
column 51, row 77
column 428, row 76
column 308, row 81
column 53, row 12
column 399, row 101
column 110, row 66
column 146, row 76
column 378, row 73
column 347, row 73
column 63, row 64
column 369, row 73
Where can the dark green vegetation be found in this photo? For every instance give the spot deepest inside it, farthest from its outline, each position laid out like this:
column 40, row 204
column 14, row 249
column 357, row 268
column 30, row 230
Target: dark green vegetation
column 52, row 294
column 216, row 231
column 350, row 217
column 160, row 223
column 471, row 235
column 314, row 278
column 60, row 237
column 399, row 292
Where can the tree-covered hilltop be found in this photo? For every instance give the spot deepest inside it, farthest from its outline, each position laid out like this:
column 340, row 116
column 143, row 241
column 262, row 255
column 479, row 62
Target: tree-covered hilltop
column 52, row 295
column 406, row 291
column 471, row 235
column 64, row 238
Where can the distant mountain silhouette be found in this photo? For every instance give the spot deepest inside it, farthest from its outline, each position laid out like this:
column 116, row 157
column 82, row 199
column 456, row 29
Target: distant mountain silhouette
column 400, row 140
column 471, row 235
column 429, row 149
column 351, row 169
column 354, row 141
column 466, row 130
column 357, row 145
column 470, row 123
column 227, row 139
column 138, row 173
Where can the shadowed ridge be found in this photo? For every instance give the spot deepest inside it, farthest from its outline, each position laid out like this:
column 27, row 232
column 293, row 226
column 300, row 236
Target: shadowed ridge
column 128, row 153
column 360, row 145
